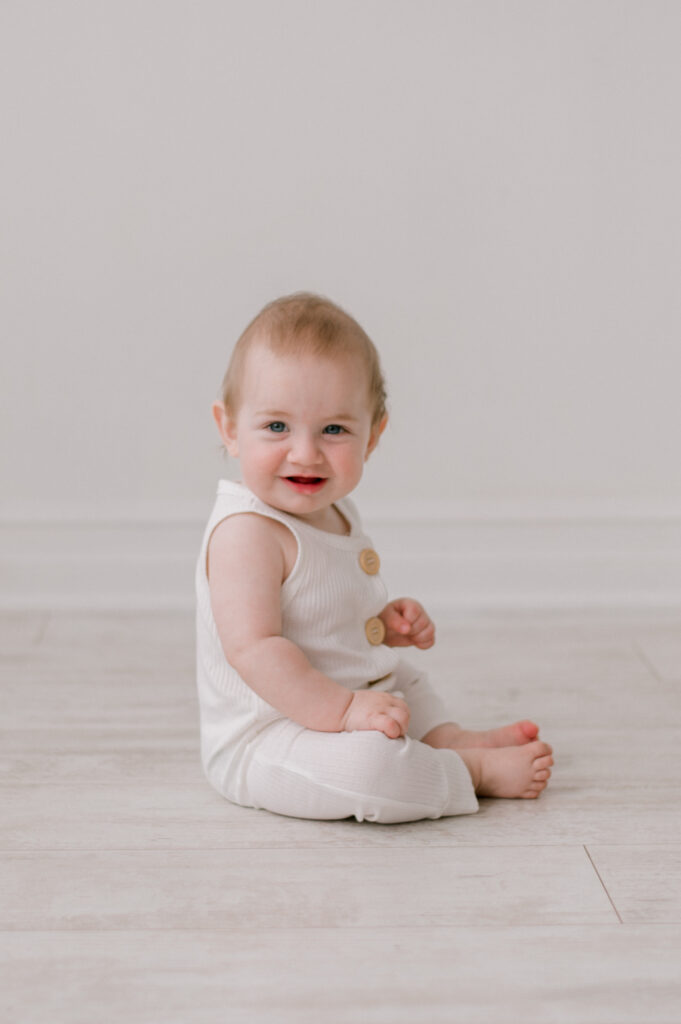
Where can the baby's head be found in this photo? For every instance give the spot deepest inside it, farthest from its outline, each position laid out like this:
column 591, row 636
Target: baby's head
column 303, row 405
column 304, row 324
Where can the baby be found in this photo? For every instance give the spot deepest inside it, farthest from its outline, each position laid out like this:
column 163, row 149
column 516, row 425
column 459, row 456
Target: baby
column 306, row 708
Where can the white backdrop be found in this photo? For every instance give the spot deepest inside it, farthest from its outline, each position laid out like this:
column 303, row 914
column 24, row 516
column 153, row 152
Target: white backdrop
column 490, row 188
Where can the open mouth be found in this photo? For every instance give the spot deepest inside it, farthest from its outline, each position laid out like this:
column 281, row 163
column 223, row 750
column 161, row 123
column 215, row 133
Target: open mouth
column 306, row 484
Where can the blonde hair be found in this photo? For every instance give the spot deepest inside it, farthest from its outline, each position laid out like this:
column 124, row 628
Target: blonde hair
column 310, row 324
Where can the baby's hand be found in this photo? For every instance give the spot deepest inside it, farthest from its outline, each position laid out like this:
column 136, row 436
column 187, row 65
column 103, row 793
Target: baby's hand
column 375, row 709
column 407, row 624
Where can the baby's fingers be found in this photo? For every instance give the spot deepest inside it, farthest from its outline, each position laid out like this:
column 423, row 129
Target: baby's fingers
column 395, row 621
column 388, row 726
column 397, row 719
column 391, row 726
column 425, row 637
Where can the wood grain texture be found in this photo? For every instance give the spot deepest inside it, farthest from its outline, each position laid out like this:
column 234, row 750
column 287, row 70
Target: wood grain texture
column 288, row 888
column 542, row 975
column 135, row 892
column 643, row 881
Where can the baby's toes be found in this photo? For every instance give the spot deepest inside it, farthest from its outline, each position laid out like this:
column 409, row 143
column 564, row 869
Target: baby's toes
column 539, row 751
column 535, row 788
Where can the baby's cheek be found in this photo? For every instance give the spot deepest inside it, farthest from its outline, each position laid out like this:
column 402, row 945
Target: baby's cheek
column 349, row 465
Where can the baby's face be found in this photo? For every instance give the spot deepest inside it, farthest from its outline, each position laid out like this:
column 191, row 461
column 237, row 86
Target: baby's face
column 303, row 430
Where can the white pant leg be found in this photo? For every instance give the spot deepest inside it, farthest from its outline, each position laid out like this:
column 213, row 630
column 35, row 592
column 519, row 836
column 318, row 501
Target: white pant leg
column 325, row 775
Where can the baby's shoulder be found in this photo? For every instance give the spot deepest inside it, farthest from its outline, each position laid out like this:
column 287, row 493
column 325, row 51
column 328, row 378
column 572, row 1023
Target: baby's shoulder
column 252, row 539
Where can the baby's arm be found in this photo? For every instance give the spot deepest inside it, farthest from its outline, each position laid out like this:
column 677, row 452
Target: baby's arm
column 407, row 624
column 247, row 565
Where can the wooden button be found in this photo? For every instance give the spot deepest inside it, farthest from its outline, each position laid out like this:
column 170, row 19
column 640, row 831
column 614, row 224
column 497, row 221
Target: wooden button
column 369, row 561
column 375, row 631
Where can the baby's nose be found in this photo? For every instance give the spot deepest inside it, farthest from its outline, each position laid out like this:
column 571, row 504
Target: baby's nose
column 304, row 450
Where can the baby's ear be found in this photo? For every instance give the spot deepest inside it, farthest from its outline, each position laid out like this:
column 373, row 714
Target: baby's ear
column 375, row 434
column 226, row 428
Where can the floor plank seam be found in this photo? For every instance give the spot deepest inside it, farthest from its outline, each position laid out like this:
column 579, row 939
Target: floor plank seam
column 42, row 630
column 231, row 929
column 605, row 888
column 278, row 848
column 646, row 662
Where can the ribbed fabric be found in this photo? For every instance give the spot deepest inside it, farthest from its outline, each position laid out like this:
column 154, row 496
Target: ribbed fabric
column 365, row 775
column 326, row 602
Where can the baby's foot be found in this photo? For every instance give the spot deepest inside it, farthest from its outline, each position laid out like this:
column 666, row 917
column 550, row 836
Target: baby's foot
column 510, row 772
column 450, row 735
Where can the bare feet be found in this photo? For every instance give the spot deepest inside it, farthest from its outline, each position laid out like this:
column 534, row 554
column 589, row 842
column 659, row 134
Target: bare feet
column 511, row 772
column 452, row 736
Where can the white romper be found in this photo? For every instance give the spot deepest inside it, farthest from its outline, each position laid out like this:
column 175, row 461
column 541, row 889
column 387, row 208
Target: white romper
column 256, row 757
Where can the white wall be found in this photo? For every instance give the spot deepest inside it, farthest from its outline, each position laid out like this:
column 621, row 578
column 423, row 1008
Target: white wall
column 491, row 188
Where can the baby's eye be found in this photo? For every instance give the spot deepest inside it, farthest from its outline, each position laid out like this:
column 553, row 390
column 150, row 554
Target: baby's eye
column 276, row 427
column 334, row 428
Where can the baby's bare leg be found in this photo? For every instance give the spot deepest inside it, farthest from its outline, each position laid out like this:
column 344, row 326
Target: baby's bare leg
column 452, row 736
column 511, row 772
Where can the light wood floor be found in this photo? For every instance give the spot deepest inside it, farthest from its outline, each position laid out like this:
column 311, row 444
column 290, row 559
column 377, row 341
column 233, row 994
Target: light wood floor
column 131, row 892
